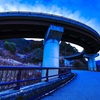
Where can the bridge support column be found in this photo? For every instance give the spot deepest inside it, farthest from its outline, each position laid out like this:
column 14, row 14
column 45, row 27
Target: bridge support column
column 51, row 49
column 91, row 61
column 66, row 62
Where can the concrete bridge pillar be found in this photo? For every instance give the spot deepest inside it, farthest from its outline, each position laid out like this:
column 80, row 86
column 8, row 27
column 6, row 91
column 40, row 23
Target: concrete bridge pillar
column 51, row 48
column 51, row 53
column 91, row 61
column 66, row 62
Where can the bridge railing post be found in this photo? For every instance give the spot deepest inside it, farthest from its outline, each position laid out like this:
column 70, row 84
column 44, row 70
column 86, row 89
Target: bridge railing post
column 47, row 70
column 58, row 73
column 18, row 79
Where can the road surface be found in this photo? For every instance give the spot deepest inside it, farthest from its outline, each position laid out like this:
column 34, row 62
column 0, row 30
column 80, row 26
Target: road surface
column 85, row 86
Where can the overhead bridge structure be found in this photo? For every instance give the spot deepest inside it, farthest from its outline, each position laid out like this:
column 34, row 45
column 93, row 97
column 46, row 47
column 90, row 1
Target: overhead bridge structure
column 75, row 56
column 53, row 29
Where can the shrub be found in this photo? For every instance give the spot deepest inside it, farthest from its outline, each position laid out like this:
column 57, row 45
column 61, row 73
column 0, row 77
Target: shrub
column 10, row 46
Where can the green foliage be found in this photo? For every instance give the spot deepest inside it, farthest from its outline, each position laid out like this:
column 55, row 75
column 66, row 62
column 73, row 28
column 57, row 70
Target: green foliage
column 10, row 46
column 26, row 49
column 37, row 54
column 67, row 49
column 6, row 45
column 36, row 44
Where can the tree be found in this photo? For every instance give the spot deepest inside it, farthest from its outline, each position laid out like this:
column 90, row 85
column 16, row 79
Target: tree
column 67, row 49
column 10, row 46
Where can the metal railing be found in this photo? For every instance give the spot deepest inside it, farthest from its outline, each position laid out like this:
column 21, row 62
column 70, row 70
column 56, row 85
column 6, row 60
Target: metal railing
column 17, row 76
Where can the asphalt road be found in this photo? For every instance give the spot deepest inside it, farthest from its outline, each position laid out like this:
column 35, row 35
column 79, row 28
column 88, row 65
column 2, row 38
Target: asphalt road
column 85, row 86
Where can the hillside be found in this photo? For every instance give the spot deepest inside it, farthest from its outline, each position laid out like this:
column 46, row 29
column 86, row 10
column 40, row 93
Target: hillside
column 24, row 52
column 18, row 51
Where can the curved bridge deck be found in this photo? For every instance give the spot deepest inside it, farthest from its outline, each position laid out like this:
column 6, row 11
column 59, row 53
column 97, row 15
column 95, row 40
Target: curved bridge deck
column 35, row 25
column 86, row 86
column 75, row 56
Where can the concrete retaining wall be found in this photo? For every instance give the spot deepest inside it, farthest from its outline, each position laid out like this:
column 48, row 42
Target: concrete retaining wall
column 38, row 91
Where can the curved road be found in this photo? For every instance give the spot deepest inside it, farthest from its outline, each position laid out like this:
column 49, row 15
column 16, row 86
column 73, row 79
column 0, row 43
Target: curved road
column 86, row 86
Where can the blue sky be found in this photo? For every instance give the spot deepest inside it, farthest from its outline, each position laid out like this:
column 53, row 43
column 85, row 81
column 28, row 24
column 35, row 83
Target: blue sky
column 85, row 11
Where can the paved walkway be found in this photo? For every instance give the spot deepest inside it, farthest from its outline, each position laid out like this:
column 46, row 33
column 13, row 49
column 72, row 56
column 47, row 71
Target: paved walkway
column 86, row 86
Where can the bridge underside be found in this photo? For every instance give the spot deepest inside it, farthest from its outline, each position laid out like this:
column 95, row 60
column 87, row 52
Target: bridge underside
column 37, row 26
